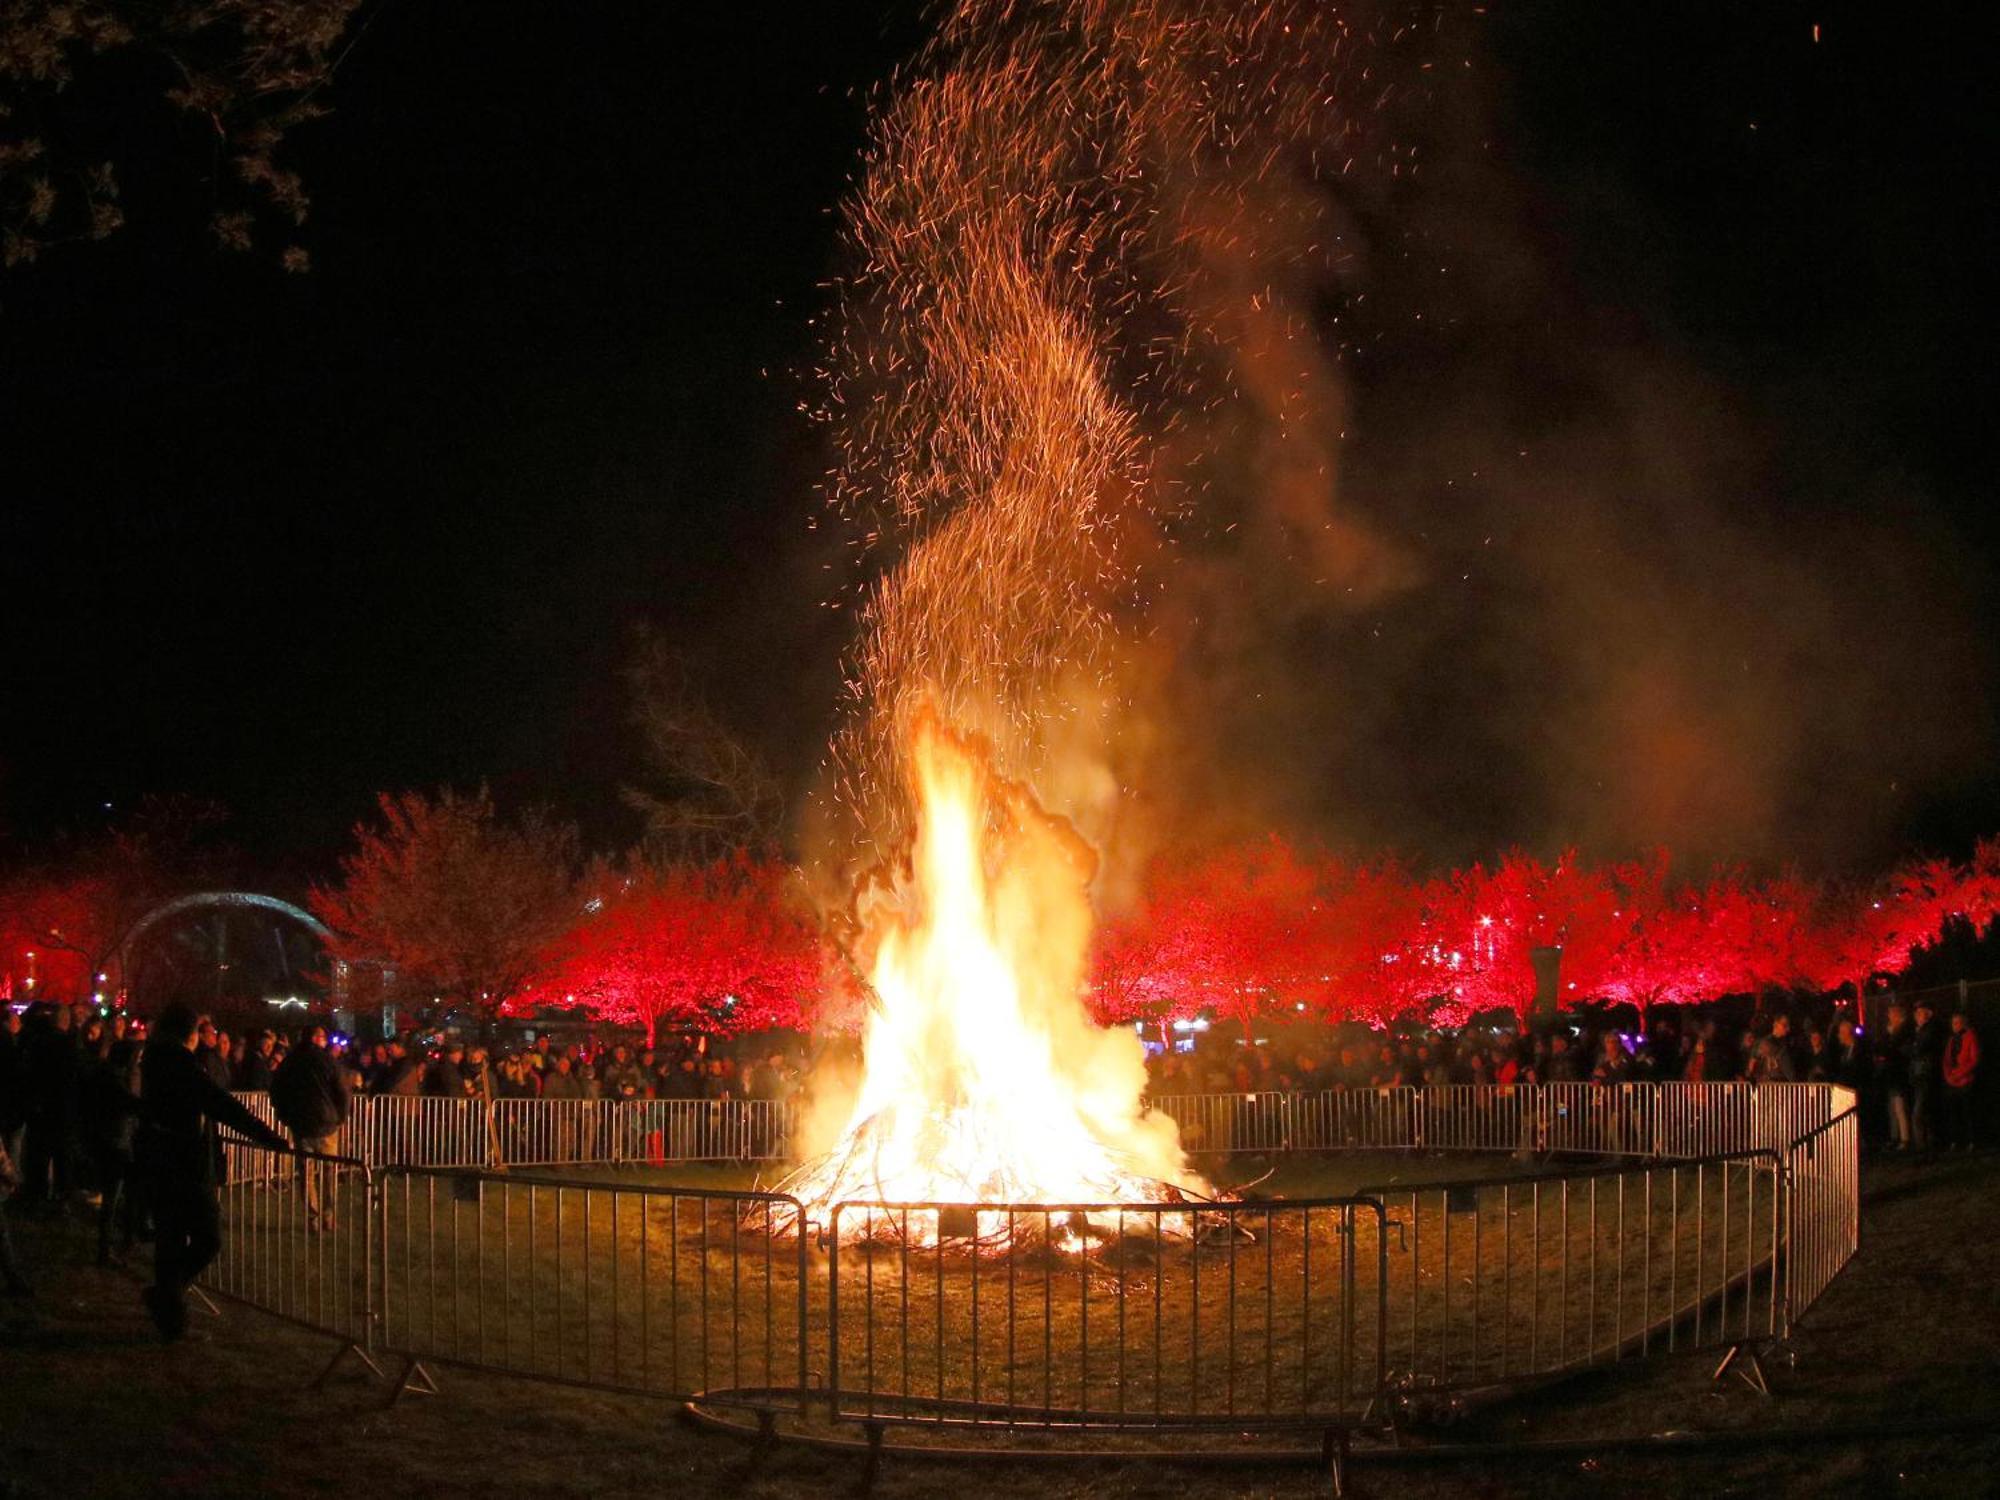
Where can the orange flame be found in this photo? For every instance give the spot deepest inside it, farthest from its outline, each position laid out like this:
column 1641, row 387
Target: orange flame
column 985, row 1079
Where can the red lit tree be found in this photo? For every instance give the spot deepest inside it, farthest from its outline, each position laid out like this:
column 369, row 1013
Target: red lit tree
column 73, row 907
column 450, row 898
column 728, row 946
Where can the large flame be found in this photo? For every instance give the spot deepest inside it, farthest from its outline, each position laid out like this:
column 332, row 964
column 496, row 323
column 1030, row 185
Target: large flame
column 985, row 1080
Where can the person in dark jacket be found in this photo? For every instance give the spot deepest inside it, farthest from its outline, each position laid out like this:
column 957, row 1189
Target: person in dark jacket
column 1893, row 1070
column 621, row 1078
column 212, row 1052
column 1926, row 1073
column 445, row 1077
column 399, row 1071
column 310, row 1097
column 110, row 1118
column 1847, row 1058
column 11, row 1279
column 52, row 1069
column 13, row 1084
column 175, row 1153
column 253, row 1069
column 563, row 1082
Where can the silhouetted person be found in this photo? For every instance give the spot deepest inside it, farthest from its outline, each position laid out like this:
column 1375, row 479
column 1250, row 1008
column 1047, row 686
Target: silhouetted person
column 445, row 1077
column 1893, row 1056
column 309, row 1095
column 1847, row 1058
column 400, row 1073
column 1926, row 1076
column 253, row 1068
column 110, row 1122
column 1961, row 1073
column 175, row 1152
column 13, row 1084
column 52, row 1065
column 11, row 1279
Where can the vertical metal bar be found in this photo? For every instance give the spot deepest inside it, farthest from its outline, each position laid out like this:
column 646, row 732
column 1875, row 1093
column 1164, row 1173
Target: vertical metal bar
column 1779, row 1185
column 1083, row 1326
column 832, row 1306
column 1722, row 1261
column 646, row 1287
column 479, row 1241
column 589, row 1336
column 868, row 1304
column 1416, row 1279
column 674, row 1291
column 1270, row 1305
column 1305, row 1304
column 1590, row 1296
column 704, row 1292
column 799, row 1271
column 1562, row 1356
column 1506, row 1275
column 1478, row 1274
column 1444, row 1317
column 1194, row 1314
column 1048, row 1317
column 1013, row 1255
column 735, row 1293
column 1121, row 1311
column 1646, row 1296
column 977, row 1359
column 770, row 1234
column 938, row 1266
column 1159, row 1316
column 1229, row 1345
column 903, row 1292
column 1618, row 1294
column 1346, row 1360
column 562, row 1343
column 1700, row 1246
column 1535, row 1281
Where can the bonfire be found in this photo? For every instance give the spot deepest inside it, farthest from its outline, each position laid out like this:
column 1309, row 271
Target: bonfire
column 985, row 1081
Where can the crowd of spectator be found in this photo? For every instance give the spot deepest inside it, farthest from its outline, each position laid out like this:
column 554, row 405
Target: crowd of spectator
column 79, row 1127
column 452, row 1068
column 1916, row 1077
column 92, row 1109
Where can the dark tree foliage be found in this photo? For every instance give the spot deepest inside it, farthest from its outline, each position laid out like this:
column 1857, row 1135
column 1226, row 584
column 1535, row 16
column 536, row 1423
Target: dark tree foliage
column 706, row 794
column 89, row 86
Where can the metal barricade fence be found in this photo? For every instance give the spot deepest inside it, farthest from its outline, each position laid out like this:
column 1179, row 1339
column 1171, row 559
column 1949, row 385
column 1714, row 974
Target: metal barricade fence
column 1822, row 1207
column 1786, row 1112
column 389, row 1128
column 547, row 1132
column 416, row 1131
column 1702, row 1119
column 1107, row 1315
column 297, row 1243
column 663, row 1291
column 1152, row 1313
column 1662, row 1121
column 1494, row 1280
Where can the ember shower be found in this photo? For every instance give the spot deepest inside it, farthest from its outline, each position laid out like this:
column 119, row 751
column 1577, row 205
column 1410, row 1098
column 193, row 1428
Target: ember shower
column 1083, row 228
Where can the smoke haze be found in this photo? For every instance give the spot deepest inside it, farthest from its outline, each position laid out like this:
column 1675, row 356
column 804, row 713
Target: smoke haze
column 1375, row 523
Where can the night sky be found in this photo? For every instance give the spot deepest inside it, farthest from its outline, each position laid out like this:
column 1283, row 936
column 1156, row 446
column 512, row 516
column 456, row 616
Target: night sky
column 290, row 540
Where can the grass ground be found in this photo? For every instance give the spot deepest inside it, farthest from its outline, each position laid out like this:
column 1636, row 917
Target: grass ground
column 89, row 1404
